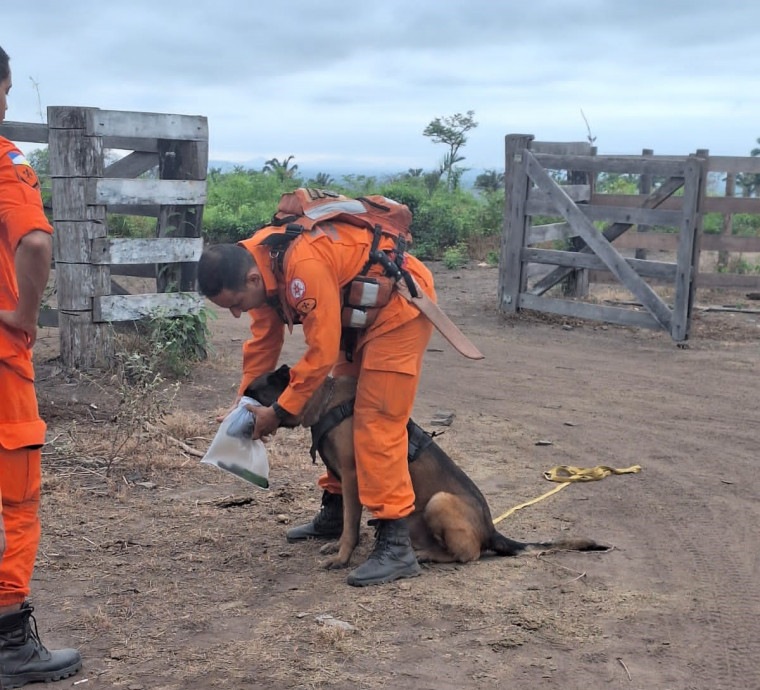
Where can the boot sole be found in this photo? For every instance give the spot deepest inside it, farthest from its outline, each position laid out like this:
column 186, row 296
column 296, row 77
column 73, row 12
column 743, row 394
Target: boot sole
column 9, row 682
column 392, row 577
column 324, row 537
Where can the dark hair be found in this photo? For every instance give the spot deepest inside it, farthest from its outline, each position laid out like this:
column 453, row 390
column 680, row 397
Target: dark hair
column 223, row 267
column 5, row 67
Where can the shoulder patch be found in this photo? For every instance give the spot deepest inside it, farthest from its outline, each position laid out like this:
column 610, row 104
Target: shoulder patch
column 24, row 171
column 306, row 306
column 297, row 288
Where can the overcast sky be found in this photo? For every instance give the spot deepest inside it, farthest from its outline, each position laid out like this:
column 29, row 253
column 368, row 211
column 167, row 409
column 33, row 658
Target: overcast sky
column 351, row 84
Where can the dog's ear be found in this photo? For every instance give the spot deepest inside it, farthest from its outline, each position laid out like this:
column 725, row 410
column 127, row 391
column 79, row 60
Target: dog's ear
column 282, row 375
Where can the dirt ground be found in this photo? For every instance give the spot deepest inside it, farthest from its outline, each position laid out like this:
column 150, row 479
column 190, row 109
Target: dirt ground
column 170, row 574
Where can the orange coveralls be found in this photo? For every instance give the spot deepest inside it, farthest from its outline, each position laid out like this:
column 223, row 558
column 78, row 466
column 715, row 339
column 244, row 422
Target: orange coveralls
column 387, row 360
column 22, row 432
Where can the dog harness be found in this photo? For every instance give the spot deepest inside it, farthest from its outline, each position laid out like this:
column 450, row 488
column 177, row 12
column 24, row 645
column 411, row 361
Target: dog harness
column 419, row 439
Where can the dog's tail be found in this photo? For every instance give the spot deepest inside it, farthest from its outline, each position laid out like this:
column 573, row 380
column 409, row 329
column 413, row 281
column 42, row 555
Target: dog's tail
column 504, row 546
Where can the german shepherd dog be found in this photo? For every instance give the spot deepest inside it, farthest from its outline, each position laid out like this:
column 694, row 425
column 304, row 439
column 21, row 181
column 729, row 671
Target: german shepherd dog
column 451, row 519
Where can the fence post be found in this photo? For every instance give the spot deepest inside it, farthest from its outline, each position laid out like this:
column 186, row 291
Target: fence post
column 688, row 245
column 728, row 220
column 576, row 284
column 76, row 162
column 513, row 233
column 645, row 188
column 180, row 160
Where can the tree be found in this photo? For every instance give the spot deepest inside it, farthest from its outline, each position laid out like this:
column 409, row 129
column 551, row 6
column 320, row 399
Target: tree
column 489, row 181
column 451, row 130
column 322, row 181
column 281, row 169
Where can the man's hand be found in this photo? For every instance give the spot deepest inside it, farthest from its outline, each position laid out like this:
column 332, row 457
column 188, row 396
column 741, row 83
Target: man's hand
column 267, row 421
column 22, row 322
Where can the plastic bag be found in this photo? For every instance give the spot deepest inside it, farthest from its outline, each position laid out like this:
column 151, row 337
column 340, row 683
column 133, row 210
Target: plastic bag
column 233, row 449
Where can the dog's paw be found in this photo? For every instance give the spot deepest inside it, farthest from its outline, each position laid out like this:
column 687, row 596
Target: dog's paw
column 330, row 547
column 335, row 564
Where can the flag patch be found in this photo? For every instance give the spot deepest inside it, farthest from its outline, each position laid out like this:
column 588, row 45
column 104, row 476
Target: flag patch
column 24, row 170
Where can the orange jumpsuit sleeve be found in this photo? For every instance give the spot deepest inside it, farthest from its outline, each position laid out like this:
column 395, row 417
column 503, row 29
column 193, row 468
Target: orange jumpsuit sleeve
column 312, row 290
column 20, row 202
column 262, row 351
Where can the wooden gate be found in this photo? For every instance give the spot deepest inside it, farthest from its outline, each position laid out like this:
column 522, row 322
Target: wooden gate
column 532, row 191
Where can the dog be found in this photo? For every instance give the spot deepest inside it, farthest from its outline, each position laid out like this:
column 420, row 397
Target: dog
column 451, row 521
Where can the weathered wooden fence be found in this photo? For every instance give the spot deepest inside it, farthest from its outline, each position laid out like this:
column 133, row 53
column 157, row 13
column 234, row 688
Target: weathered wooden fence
column 673, row 199
column 85, row 189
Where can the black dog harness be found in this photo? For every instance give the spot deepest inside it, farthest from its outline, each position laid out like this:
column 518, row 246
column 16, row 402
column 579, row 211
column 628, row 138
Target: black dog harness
column 419, row 439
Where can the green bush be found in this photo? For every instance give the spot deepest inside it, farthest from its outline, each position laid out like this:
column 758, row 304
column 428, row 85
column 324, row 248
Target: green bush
column 455, row 257
column 176, row 342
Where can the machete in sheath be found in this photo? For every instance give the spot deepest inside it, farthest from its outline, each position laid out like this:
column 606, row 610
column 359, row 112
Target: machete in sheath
column 443, row 323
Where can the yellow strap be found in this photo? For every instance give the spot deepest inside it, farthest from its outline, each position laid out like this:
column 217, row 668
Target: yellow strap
column 567, row 474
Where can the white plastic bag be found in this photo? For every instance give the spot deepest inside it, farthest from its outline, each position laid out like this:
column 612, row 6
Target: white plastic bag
column 233, row 449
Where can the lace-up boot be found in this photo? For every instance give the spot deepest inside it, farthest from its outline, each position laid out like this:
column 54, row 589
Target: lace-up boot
column 327, row 523
column 23, row 657
column 392, row 557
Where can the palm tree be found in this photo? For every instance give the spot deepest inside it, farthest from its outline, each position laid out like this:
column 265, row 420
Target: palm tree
column 321, row 181
column 281, row 169
column 489, row 181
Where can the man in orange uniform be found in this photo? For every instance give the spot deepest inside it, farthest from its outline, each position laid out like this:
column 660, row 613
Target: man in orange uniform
column 306, row 287
column 25, row 252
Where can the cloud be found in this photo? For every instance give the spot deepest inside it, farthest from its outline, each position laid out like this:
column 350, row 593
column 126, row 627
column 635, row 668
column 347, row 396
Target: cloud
column 341, row 80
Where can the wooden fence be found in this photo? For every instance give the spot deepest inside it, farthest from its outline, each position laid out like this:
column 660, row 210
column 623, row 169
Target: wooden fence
column 559, row 180
column 85, row 189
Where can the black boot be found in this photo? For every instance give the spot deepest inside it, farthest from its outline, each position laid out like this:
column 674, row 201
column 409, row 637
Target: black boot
column 327, row 523
column 392, row 558
column 24, row 659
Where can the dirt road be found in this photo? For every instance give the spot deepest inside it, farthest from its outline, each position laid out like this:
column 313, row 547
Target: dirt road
column 170, row 574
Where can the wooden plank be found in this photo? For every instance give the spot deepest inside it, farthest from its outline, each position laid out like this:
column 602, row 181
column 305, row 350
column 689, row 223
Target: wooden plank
column 146, row 125
column 594, row 312
column 599, row 244
column 630, row 216
column 515, row 222
column 668, row 242
column 645, row 268
column 722, row 204
column 142, row 144
column 728, row 281
column 132, row 165
column 611, row 233
column 561, row 148
column 635, row 165
column 134, row 270
column 577, row 192
column 734, row 164
column 550, row 233
column 673, row 203
column 146, row 250
column 645, row 189
column 146, row 210
column 711, row 204
column 115, row 308
column 109, row 191
column 26, row 132
column 688, row 252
